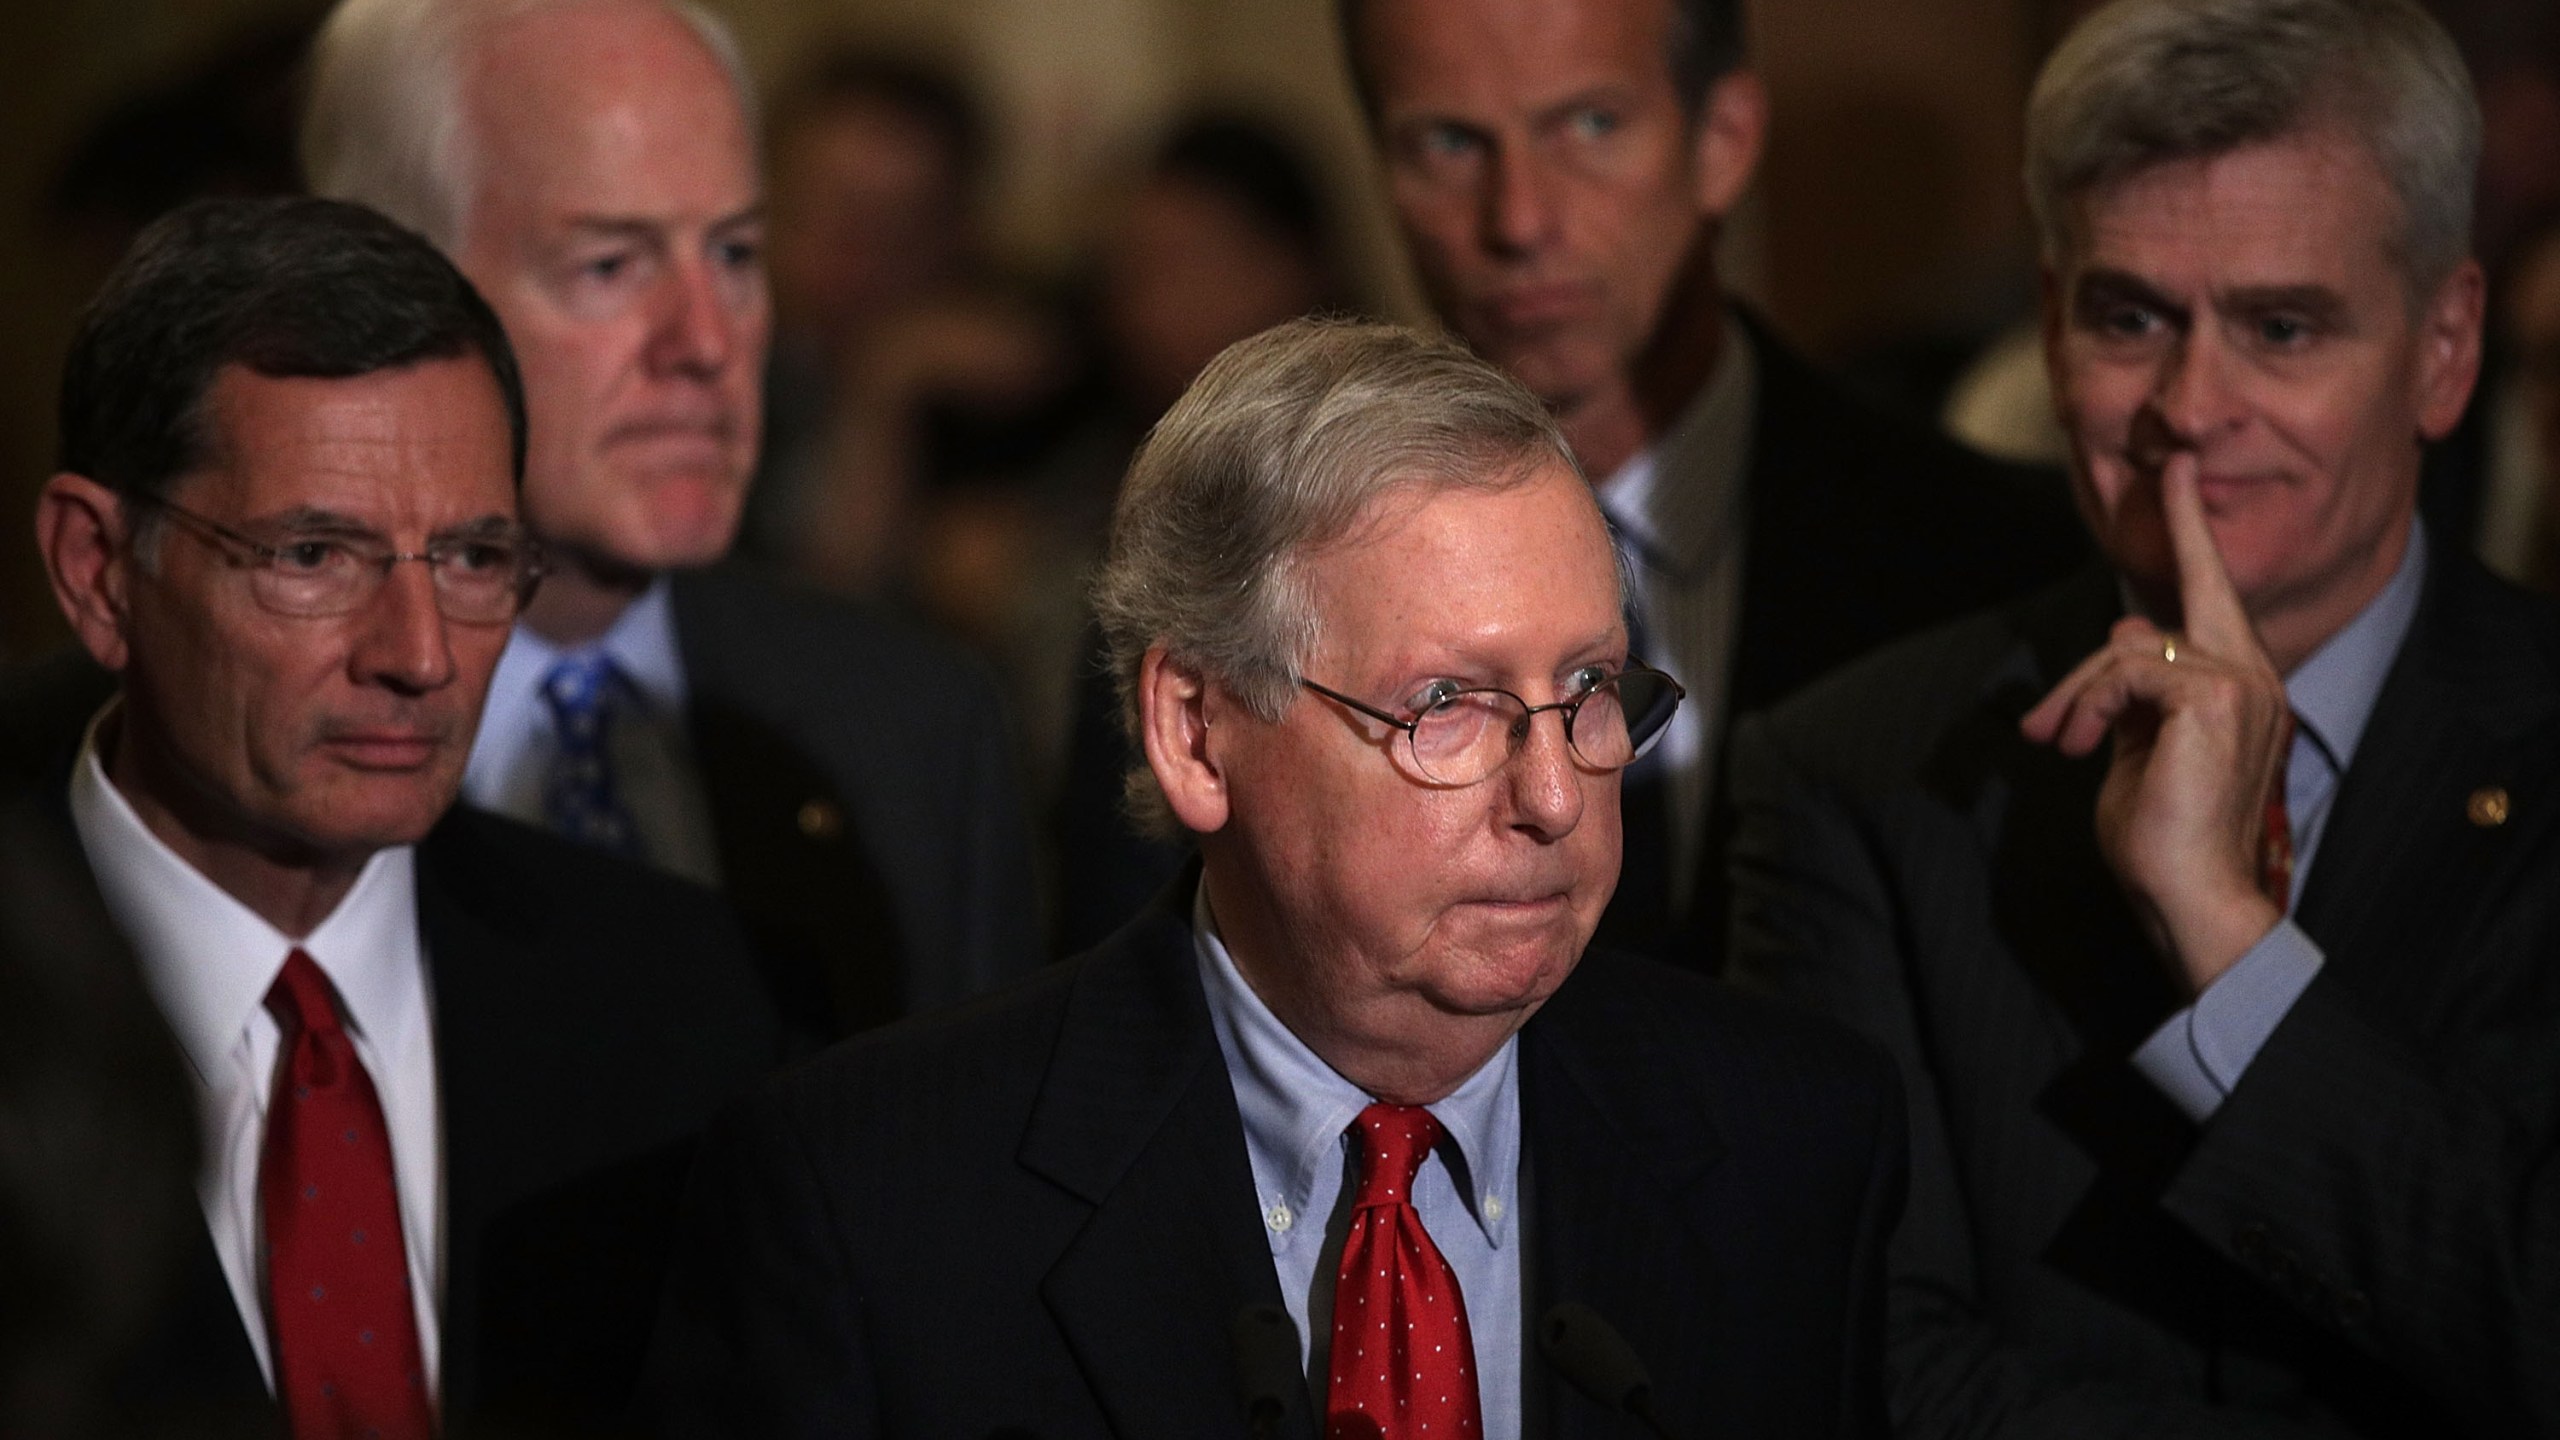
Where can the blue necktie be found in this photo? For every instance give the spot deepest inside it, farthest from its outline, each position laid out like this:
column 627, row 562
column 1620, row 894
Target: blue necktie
column 578, row 798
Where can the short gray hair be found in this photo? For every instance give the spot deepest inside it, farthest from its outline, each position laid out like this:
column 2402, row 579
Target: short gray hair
column 1280, row 448
column 384, row 121
column 2141, row 82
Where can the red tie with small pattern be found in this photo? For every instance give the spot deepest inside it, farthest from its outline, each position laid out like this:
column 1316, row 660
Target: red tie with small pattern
column 346, row 1336
column 1402, row 1366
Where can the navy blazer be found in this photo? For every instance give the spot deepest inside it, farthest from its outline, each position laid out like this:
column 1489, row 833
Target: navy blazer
column 1036, row 1215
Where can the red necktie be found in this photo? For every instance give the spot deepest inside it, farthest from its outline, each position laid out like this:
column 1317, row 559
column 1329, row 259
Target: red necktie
column 1402, row 1366
column 2275, row 852
column 346, row 1335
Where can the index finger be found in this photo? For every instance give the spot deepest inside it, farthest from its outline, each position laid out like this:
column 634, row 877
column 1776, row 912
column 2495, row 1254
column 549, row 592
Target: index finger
column 2212, row 612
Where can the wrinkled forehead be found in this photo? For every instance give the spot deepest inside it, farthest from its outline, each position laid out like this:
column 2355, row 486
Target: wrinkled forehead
column 413, row 449
column 2316, row 199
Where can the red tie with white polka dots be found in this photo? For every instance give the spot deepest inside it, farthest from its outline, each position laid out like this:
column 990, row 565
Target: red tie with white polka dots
column 1402, row 1365
column 346, row 1336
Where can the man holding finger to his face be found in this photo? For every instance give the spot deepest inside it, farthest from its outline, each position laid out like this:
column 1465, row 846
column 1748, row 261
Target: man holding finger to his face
column 2212, row 902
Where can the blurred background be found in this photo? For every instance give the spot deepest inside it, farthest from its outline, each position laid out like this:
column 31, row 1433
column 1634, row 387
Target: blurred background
column 1086, row 193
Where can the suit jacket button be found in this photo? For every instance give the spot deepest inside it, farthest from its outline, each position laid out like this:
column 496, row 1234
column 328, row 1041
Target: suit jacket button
column 821, row 820
column 2489, row 806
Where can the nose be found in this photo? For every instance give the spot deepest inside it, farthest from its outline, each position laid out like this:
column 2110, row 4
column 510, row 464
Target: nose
column 1543, row 783
column 1520, row 214
column 2195, row 393
column 697, row 322
column 402, row 643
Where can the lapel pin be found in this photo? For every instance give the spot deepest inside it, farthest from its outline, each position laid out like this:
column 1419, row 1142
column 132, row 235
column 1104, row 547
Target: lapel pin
column 2488, row 807
column 821, row 820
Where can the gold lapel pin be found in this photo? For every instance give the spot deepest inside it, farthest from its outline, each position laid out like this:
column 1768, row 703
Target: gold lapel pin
column 821, row 820
column 2489, row 806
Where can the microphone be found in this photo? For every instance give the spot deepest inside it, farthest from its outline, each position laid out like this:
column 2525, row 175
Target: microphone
column 1265, row 1341
column 1590, row 1352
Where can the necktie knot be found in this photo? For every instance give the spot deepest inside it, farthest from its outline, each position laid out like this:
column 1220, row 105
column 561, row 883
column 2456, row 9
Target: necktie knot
column 582, row 691
column 316, row 1049
column 1394, row 1139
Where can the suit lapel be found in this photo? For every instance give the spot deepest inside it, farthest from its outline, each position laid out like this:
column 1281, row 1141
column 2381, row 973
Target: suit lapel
column 792, row 860
column 483, row 940
column 1137, row 1118
column 1607, row 1167
column 2411, row 858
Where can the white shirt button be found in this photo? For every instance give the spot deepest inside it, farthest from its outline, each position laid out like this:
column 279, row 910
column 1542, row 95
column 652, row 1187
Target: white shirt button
column 1279, row 1218
column 1493, row 1207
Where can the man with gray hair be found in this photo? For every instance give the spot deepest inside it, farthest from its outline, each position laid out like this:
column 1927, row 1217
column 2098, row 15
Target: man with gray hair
column 591, row 165
column 1349, row 1115
column 2233, row 1111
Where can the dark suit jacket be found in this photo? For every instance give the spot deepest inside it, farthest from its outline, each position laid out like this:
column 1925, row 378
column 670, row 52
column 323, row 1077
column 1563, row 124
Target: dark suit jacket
column 1036, row 1215
column 1863, row 527
column 2366, row 1237
column 862, row 796
column 589, row 1018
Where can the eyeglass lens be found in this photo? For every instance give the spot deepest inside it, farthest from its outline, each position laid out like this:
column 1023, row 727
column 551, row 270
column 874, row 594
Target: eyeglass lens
column 1471, row 735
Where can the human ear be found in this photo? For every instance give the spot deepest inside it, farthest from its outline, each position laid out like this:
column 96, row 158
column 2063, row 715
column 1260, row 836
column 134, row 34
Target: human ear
column 1732, row 128
column 2449, row 326
column 1173, row 724
column 81, row 533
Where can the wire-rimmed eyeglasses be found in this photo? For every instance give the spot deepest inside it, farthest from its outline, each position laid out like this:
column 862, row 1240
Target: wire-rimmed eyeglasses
column 1459, row 736
column 480, row 577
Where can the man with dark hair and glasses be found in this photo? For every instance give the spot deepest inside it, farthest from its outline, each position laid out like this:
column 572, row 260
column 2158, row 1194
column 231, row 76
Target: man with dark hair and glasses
column 1348, row 1117
column 448, row 1067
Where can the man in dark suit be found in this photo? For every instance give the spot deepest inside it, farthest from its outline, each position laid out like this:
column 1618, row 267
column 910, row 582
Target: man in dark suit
column 843, row 777
column 1355, row 1073
column 2232, row 1113
column 449, row 1068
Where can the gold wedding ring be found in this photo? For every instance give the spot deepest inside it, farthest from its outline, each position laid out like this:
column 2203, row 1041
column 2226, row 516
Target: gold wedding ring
column 2169, row 649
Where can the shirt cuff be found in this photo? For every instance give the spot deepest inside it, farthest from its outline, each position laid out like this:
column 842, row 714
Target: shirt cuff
column 2200, row 1053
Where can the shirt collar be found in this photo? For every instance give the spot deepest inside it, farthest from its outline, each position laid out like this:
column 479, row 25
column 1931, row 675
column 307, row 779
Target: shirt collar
column 2333, row 692
column 1676, row 525
column 641, row 643
column 1295, row 1107
column 210, row 960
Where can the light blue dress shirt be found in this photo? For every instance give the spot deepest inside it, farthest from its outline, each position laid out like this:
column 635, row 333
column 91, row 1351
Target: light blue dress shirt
column 2199, row 1054
column 1297, row 1114
column 656, row 775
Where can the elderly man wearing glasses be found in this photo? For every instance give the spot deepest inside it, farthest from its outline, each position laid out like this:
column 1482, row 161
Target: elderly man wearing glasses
column 448, row 1066
column 1348, row 1129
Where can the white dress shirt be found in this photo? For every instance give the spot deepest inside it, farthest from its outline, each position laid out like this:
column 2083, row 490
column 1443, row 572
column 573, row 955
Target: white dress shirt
column 210, row 962
column 655, row 774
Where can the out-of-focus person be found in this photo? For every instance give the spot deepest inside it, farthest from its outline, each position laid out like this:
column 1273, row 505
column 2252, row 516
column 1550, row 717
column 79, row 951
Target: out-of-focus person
column 876, row 163
column 842, row 777
column 2520, row 509
column 2212, row 899
column 1353, row 1083
column 448, row 1068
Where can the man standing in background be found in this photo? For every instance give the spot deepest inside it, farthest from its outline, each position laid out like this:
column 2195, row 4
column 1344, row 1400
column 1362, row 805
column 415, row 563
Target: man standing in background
column 591, row 165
